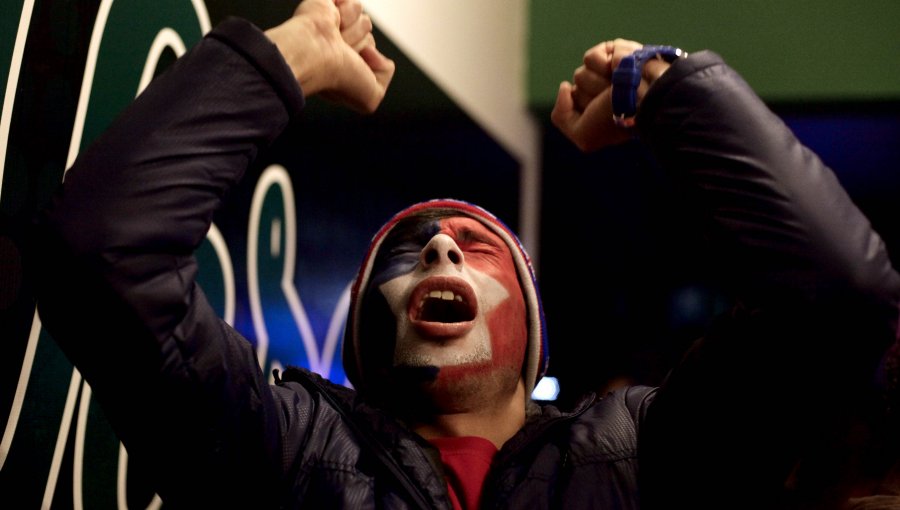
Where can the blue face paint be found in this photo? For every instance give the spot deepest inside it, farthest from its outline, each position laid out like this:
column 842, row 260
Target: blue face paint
column 399, row 253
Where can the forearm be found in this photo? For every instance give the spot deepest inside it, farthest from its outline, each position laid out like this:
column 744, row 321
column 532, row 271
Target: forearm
column 778, row 215
column 161, row 169
column 139, row 200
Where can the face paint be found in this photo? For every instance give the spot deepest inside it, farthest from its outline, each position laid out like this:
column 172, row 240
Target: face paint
column 453, row 289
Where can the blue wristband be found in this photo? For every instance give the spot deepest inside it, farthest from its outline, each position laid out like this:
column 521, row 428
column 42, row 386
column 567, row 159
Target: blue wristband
column 627, row 76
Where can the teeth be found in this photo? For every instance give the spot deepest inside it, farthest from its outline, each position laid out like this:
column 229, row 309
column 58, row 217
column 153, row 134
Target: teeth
column 446, row 295
column 451, row 307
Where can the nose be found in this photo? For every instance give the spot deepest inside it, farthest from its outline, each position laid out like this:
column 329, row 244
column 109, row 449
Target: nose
column 441, row 249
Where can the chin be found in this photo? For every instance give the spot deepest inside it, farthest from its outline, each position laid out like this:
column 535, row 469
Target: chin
column 467, row 388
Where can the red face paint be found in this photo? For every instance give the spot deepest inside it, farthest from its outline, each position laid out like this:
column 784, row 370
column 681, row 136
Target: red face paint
column 486, row 252
column 459, row 307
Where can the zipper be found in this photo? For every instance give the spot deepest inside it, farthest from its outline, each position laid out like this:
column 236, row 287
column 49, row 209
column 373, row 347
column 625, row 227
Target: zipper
column 551, row 423
column 375, row 446
column 542, row 430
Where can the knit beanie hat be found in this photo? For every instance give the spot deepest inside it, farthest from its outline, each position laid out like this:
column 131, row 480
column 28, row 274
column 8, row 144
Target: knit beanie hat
column 358, row 369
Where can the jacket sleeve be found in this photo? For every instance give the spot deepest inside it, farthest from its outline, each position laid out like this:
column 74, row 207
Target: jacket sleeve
column 817, row 294
column 116, row 271
column 772, row 208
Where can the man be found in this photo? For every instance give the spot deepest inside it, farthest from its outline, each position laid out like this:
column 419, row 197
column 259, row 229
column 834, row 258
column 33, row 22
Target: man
column 445, row 311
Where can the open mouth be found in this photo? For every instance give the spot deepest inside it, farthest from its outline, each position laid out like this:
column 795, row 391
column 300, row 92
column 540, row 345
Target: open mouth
column 442, row 306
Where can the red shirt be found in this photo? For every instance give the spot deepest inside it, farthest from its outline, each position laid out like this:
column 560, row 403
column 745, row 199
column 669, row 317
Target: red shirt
column 467, row 461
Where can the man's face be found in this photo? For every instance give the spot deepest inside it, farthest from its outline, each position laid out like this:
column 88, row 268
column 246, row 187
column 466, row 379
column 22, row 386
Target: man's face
column 453, row 289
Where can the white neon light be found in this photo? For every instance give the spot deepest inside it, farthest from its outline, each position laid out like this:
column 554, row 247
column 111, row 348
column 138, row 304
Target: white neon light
column 276, row 175
column 546, row 389
column 9, row 97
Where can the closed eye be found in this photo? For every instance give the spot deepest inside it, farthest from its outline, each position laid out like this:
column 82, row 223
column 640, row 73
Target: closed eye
column 475, row 242
column 405, row 250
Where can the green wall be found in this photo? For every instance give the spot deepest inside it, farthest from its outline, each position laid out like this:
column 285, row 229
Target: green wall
column 788, row 50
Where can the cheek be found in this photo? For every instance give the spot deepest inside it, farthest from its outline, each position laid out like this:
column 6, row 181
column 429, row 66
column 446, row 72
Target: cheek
column 506, row 324
column 504, row 272
column 508, row 332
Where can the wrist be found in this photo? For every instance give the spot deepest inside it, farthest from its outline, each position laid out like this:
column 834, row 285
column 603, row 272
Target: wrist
column 644, row 65
column 295, row 40
column 653, row 69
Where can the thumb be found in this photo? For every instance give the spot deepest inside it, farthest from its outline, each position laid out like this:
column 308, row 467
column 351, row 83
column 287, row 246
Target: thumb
column 382, row 66
column 564, row 114
column 380, row 70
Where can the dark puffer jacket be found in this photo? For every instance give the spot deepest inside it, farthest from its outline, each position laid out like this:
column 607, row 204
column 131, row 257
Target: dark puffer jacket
column 186, row 395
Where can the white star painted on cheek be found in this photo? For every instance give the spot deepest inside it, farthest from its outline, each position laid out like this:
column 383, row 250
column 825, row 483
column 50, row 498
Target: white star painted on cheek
column 414, row 349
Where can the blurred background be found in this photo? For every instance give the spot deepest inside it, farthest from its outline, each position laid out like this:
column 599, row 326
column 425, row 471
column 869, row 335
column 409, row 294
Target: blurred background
column 467, row 117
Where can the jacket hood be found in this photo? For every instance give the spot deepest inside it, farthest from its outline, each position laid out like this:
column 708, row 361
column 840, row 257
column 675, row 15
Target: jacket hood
column 536, row 355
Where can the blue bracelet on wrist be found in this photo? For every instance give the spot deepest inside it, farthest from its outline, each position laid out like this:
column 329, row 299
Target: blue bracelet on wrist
column 627, row 76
